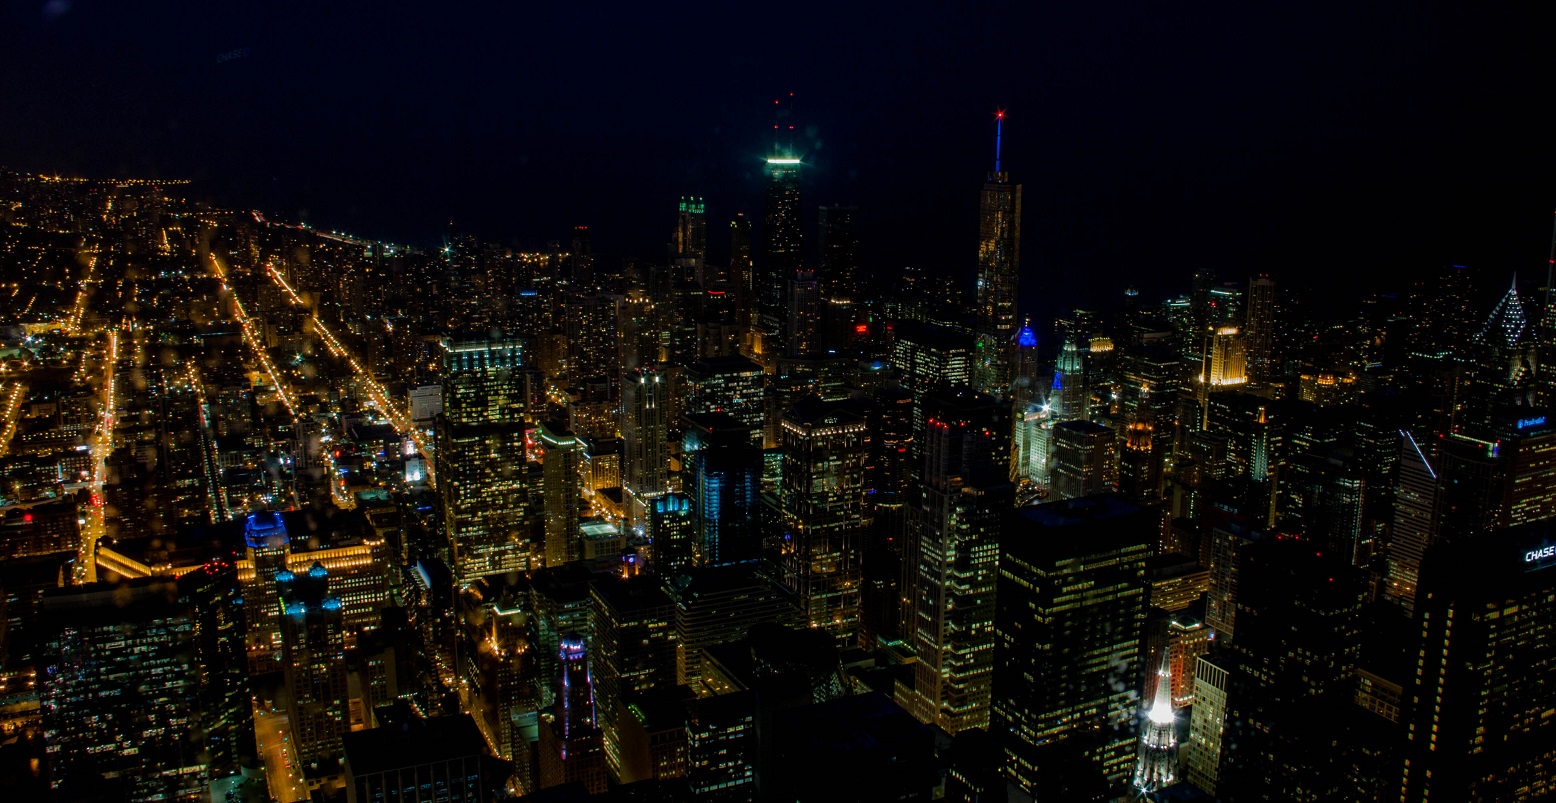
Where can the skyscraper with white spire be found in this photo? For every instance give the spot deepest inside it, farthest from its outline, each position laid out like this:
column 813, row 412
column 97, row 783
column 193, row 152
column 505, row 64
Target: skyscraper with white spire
column 1157, row 766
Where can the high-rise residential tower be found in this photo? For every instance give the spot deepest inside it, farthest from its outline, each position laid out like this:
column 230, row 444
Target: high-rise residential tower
column 561, row 483
column 999, row 258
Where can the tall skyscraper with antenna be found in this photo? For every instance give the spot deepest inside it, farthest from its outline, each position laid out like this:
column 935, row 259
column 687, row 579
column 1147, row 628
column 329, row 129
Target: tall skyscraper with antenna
column 999, row 257
column 781, row 248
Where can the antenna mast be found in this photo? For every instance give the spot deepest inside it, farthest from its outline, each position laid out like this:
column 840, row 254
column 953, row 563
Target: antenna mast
column 1547, row 321
column 999, row 131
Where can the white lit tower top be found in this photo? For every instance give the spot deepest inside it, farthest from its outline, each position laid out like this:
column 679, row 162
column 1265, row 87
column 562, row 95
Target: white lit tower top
column 1157, row 767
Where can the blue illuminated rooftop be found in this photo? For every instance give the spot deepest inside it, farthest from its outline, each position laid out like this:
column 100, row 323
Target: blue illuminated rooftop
column 265, row 529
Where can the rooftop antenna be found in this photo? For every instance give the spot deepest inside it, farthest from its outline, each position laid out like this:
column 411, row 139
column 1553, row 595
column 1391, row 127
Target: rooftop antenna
column 1547, row 320
column 780, row 112
column 999, row 130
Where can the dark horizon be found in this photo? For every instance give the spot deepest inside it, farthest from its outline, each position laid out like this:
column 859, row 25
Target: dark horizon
column 1326, row 146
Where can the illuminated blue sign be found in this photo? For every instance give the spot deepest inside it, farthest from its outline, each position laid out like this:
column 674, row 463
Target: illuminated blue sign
column 1537, row 421
column 1540, row 555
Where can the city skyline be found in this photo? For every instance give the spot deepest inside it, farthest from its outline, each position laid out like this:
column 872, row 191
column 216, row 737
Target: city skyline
column 682, row 405
column 1354, row 147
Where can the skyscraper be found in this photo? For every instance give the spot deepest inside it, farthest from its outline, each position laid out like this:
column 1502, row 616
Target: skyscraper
column 839, row 266
column 802, row 323
column 314, row 666
column 1480, row 729
column 672, row 530
column 483, row 381
column 999, row 265
column 1083, row 459
column 1259, row 329
column 481, row 456
column 144, row 682
column 929, row 357
column 635, row 646
column 1025, row 399
column 561, row 483
column 964, row 497
column 821, row 498
column 572, row 749
column 1292, row 673
column 267, row 546
column 1066, row 665
column 644, row 434
column 730, row 385
column 1416, row 500
column 740, row 274
column 781, row 250
column 691, row 231
column 723, row 477
column 1068, row 398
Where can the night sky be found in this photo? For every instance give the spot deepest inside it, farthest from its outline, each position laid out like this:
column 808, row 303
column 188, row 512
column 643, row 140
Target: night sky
column 1350, row 143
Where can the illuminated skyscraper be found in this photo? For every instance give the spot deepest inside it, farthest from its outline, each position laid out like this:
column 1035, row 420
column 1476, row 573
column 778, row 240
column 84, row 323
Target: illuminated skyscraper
column 1084, row 459
column 999, row 265
column 644, row 433
column 635, row 647
column 593, row 347
column 1066, row 664
column 1223, row 366
column 1480, row 729
column 314, row 665
column 821, row 497
column 483, row 381
column 1068, row 397
column 1417, row 497
column 740, row 273
column 955, row 541
column 481, row 457
column 929, row 357
column 1503, row 478
column 802, row 324
column 1259, row 329
column 572, row 749
column 691, row 231
column 782, row 257
column 723, row 476
column 561, row 483
column 671, row 528
column 730, row 385
column 1502, row 366
column 1025, row 399
column 268, row 545
column 144, row 681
